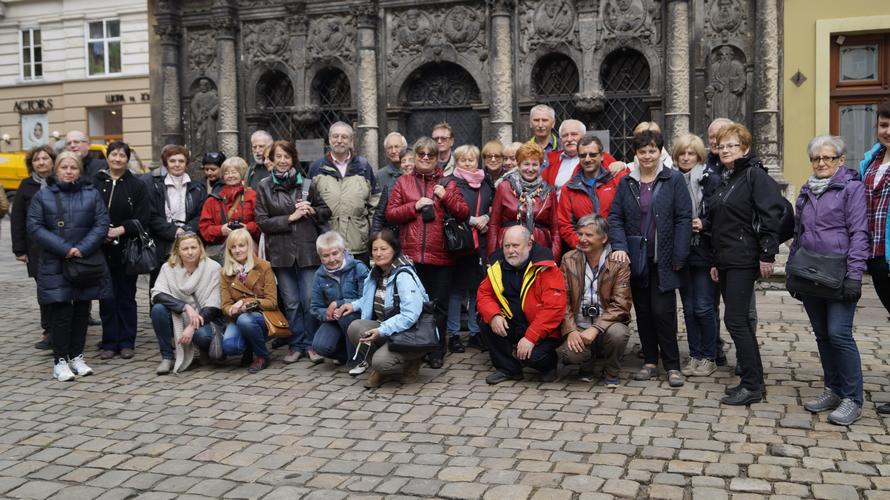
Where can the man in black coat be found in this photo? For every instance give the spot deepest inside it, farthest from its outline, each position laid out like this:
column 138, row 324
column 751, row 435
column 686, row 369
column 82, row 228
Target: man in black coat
column 79, row 143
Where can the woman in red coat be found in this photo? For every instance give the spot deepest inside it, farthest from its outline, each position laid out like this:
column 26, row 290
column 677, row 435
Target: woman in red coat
column 524, row 198
column 231, row 207
column 417, row 204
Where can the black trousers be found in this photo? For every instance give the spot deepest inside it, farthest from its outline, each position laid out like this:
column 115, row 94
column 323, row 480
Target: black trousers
column 752, row 316
column 436, row 281
column 119, row 313
column 880, row 276
column 69, row 328
column 657, row 321
column 500, row 349
column 737, row 288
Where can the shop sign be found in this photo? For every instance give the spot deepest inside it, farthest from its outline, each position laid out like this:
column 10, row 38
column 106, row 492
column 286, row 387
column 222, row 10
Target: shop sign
column 122, row 99
column 33, row 106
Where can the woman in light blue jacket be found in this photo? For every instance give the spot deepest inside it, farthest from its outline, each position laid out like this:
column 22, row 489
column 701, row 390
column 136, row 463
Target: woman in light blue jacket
column 379, row 316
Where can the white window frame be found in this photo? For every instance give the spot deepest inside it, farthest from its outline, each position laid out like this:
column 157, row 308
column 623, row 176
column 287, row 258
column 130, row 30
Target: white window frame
column 31, row 30
column 105, row 40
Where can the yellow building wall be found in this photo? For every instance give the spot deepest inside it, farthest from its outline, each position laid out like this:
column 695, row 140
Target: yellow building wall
column 808, row 27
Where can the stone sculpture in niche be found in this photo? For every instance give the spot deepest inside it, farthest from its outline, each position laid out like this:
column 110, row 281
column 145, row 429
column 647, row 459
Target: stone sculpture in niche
column 727, row 83
column 332, row 36
column 461, row 25
column 205, row 112
column 628, row 18
column 549, row 23
column 202, row 50
column 725, row 17
column 265, row 41
column 458, row 28
column 554, row 19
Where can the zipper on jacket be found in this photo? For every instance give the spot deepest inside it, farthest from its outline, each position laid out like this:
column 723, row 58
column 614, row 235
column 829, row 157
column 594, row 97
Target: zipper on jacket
column 111, row 197
column 423, row 233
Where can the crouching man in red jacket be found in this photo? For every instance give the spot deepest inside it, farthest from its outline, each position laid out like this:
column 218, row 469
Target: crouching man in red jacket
column 521, row 302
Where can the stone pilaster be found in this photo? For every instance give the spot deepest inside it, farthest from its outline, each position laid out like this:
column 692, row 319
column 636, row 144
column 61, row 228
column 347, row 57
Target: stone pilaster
column 677, row 78
column 367, row 127
column 225, row 23
column 766, row 94
column 501, row 70
column 169, row 30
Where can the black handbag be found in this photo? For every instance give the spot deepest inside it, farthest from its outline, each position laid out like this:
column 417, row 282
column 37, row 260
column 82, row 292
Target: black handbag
column 82, row 272
column 216, row 352
column 141, row 254
column 458, row 235
column 638, row 247
column 421, row 337
column 812, row 274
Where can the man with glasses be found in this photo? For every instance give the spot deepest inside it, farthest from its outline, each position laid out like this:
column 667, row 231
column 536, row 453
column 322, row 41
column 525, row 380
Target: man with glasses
column 563, row 165
column 257, row 171
column 444, row 137
column 347, row 184
column 542, row 119
column 77, row 142
column 590, row 191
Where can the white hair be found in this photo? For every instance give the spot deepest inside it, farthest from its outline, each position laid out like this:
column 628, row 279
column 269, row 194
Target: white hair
column 260, row 133
column 329, row 240
column 342, row 125
column 833, row 141
column 574, row 123
column 545, row 108
column 395, row 135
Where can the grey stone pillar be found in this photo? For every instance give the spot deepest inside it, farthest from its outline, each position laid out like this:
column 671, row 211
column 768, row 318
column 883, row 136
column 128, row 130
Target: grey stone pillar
column 501, row 70
column 169, row 31
column 368, row 128
column 766, row 95
column 677, row 96
column 225, row 24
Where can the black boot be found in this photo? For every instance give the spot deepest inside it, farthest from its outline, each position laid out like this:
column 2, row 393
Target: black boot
column 455, row 345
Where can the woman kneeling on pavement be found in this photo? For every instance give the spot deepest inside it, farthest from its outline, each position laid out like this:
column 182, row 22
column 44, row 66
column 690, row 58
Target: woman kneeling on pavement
column 832, row 220
column 247, row 287
column 185, row 300
column 379, row 318
column 339, row 279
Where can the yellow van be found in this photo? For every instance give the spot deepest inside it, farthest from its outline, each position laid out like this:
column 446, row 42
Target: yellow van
column 12, row 171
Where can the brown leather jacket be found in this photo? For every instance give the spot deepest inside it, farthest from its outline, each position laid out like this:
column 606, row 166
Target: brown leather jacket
column 260, row 286
column 614, row 292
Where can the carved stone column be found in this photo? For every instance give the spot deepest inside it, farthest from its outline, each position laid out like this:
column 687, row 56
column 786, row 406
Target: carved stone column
column 501, row 70
column 169, row 30
column 766, row 96
column 225, row 24
column 677, row 77
column 368, row 135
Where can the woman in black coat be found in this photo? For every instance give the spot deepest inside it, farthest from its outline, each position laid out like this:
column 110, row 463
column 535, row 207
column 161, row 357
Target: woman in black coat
column 652, row 186
column 126, row 197
column 40, row 162
column 68, row 220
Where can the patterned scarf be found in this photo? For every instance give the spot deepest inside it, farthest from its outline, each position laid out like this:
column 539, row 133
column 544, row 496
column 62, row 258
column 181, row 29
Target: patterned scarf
column 380, row 294
column 818, row 185
column 288, row 180
column 526, row 192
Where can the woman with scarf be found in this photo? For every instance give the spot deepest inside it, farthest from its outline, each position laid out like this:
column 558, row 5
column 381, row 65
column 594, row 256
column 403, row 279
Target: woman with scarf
column 248, row 288
column 290, row 213
column 176, row 201
column 231, row 207
column 338, row 280
column 417, row 205
column 832, row 219
column 689, row 156
column 185, row 299
column 650, row 224
column 476, row 188
column 126, row 197
column 524, row 198
column 743, row 251
column 39, row 161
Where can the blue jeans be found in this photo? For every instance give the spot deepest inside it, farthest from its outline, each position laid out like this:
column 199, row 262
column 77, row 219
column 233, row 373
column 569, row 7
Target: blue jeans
column 455, row 300
column 246, row 332
column 162, row 320
column 698, row 312
column 295, row 290
column 833, row 325
column 331, row 340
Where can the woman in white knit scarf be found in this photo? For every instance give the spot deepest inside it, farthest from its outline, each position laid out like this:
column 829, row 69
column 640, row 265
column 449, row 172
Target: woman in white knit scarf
column 185, row 300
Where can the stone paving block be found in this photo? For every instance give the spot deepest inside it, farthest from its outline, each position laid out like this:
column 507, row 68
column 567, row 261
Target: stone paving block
column 621, row 488
column 10, row 483
column 709, row 494
column 581, row 484
column 665, row 492
column 749, row 485
column 462, row 491
column 834, row 492
column 552, row 494
column 36, row 489
column 248, row 491
column 516, row 491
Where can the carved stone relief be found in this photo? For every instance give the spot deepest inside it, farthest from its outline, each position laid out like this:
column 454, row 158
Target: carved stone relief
column 201, row 50
column 548, row 23
column 727, row 85
column 461, row 27
column 631, row 19
column 266, row 41
column 726, row 19
column 204, row 110
column 332, row 37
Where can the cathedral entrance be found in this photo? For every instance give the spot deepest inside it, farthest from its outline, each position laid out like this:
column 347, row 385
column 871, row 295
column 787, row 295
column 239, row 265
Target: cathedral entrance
column 442, row 92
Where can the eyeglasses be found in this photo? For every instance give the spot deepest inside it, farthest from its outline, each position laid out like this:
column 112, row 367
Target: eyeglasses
column 441, row 139
column 826, row 159
column 589, row 155
column 727, row 147
column 493, row 157
column 425, row 155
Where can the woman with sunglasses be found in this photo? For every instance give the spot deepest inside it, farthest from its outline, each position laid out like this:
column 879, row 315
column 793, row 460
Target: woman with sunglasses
column 417, row 205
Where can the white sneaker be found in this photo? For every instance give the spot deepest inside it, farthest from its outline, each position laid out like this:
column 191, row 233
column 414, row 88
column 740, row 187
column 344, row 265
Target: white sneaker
column 79, row 366
column 359, row 369
column 690, row 367
column 61, row 371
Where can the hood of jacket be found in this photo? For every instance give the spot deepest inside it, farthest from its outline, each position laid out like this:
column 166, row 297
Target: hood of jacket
column 577, row 180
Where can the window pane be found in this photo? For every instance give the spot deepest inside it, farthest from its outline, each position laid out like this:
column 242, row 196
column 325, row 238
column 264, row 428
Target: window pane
column 36, row 35
column 114, row 122
column 97, row 58
column 26, row 56
column 114, row 57
column 857, row 127
column 113, row 29
column 26, row 71
column 38, row 70
column 26, row 38
column 859, row 63
column 38, row 54
column 96, row 30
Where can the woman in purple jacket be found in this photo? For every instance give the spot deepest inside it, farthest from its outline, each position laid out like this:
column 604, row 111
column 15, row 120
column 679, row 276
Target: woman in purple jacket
column 831, row 219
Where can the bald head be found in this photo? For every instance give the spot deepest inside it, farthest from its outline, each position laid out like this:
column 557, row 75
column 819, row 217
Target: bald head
column 77, row 142
column 517, row 245
column 713, row 128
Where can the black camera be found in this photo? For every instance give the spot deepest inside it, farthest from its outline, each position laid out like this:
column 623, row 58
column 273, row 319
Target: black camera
column 251, row 307
column 233, row 225
column 590, row 310
column 428, row 213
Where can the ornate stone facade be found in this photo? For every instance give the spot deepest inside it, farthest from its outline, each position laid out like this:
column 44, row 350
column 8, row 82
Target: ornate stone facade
column 294, row 67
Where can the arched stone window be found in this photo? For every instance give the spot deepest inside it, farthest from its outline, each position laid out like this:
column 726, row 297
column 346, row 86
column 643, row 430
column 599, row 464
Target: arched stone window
column 625, row 81
column 442, row 92
column 554, row 83
column 332, row 93
column 275, row 102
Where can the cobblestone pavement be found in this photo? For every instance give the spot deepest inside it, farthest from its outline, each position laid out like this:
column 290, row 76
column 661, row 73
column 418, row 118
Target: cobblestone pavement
column 314, row 432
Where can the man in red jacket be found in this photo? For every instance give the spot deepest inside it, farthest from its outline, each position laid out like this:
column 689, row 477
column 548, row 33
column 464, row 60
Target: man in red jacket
column 591, row 190
column 522, row 302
